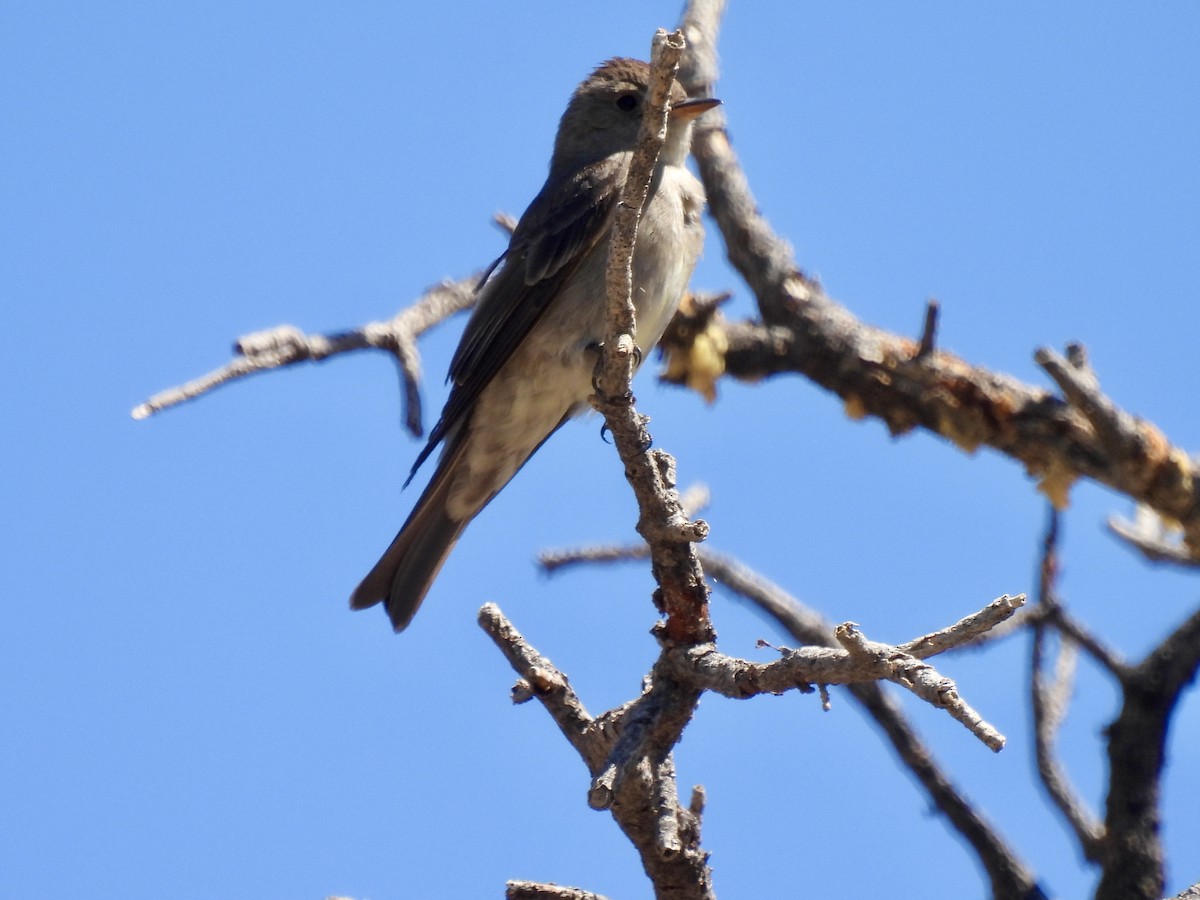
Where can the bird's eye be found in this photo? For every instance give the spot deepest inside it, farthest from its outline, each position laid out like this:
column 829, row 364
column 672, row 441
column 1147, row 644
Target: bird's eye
column 627, row 102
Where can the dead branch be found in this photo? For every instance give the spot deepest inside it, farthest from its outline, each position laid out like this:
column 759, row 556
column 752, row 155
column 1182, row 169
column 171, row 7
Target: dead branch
column 1049, row 698
column 627, row 751
column 1009, row 876
column 905, row 383
column 1152, row 536
column 682, row 594
column 1133, row 854
column 287, row 345
column 532, row 890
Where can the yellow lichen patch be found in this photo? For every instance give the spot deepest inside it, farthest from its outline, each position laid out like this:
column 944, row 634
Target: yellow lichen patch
column 855, row 408
column 1181, row 461
column 1055, row 483
column 1156, row 443
column 695, row 345
column 900, row 422
column 701, row 363
column 1167, row 468
column 961, row 435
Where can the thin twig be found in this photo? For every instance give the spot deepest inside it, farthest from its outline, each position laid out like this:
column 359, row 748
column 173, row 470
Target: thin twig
column 1049, row 698
column 548, row 684
column 1073, row 630
column 966, row 630
column 922, row 679
column 929, row 329
column 1010, row 877
column 287, row 345
column 1153, row 537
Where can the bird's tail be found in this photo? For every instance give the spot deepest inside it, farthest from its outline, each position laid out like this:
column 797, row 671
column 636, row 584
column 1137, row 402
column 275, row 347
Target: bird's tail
column 405, row 572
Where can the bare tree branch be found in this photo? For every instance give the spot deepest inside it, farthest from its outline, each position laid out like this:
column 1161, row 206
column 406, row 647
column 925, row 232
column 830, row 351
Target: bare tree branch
column 1133, row 853
column 1116, row 431
column 532, row 890
column 883, row 375
column 632, row 743
column 929, row 329
column 542, row 680
column 1049, row 698
column 708, row 669
column 864, row 661
column 1128, row 845
column 1156, row 539
column 905, row 383
column 900, row 381
column 682, row 594
column 1075, row 632
column 287, row 345
column 920, row 678
column 1009, row 876
column 967, row 630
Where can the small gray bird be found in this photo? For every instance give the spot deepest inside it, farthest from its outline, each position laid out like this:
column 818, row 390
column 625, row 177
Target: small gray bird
column 525, row 362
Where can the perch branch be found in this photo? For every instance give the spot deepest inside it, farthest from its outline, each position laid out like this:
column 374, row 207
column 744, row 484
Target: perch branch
column 682, row 594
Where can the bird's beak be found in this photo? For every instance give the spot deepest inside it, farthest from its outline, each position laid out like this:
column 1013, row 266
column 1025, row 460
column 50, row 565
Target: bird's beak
column 689, row 109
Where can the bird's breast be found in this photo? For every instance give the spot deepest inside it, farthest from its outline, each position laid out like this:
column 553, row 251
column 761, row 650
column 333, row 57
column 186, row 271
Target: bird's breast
column 670, row 238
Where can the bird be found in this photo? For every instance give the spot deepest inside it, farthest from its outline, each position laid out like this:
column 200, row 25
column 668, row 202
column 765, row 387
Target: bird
column 524, row 364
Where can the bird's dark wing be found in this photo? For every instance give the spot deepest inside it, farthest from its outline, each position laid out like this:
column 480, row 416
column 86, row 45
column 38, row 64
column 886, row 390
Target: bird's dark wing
column 546, row 248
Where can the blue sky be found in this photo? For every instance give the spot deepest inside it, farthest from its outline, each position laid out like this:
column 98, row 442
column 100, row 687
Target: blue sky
column 191, row 710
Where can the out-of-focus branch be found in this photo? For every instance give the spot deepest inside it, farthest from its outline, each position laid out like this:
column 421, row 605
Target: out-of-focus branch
column 1153, row 537
column 532, row 890
column 1128, row 844
column 1116, row 431
column 1132, row 855
column 883, row 375
column 907, row 383
column 1049, row 698
column 1078, row 634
